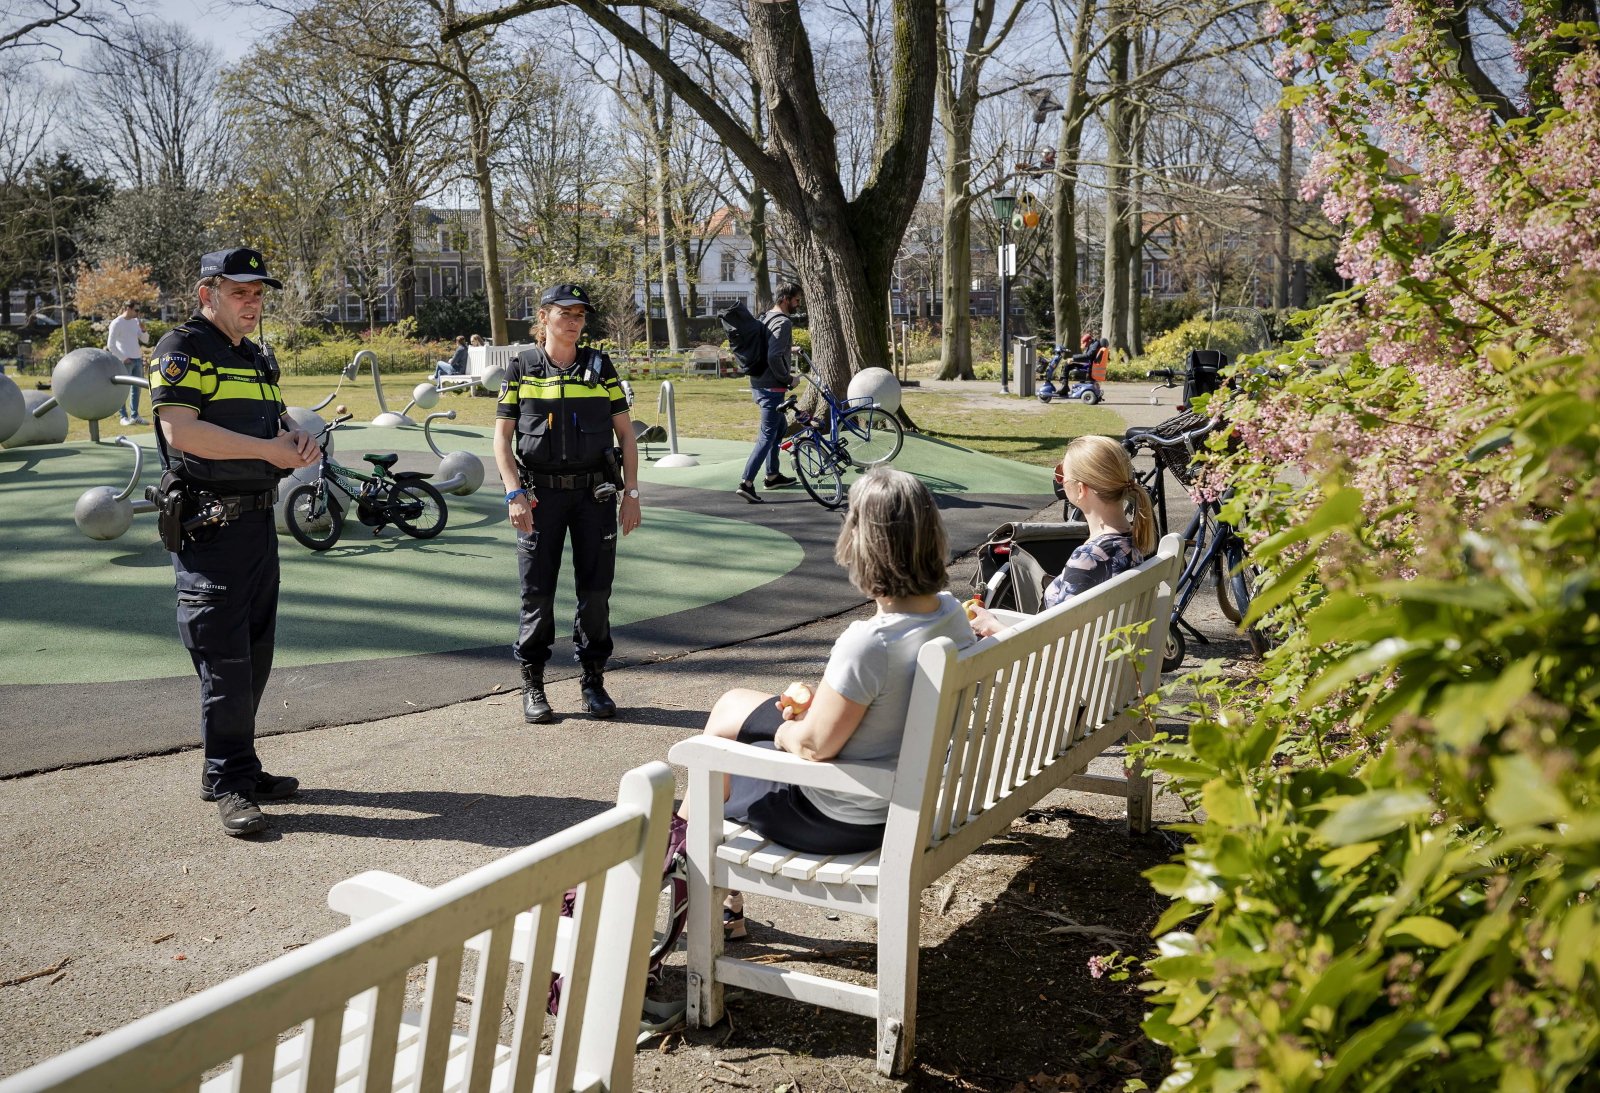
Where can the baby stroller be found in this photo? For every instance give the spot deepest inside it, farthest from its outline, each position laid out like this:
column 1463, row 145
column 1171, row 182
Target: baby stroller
column 1021, row 559
column 1083, row 375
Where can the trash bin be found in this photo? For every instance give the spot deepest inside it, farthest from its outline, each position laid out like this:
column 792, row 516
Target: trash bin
column 1023, row 355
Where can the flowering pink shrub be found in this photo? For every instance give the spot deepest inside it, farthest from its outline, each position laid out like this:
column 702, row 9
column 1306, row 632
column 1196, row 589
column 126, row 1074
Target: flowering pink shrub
column 1394, row 877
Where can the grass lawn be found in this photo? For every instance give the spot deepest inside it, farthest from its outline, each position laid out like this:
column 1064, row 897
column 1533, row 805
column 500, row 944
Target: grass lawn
column 720, row 409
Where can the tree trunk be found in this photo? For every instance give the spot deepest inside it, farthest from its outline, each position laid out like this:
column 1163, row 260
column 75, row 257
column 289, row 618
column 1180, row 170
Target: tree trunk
column 482, row 142
column 1133, row 335
column 957, row 104
column 760, row 269
column 1064, row 201
column 403, row 261
column 1114, row 309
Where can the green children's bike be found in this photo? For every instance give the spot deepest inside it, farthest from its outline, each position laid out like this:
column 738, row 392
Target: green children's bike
column 316, row 516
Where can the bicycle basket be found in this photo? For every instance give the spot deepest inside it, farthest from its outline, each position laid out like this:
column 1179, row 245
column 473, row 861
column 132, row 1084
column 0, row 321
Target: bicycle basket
column 1179, row 461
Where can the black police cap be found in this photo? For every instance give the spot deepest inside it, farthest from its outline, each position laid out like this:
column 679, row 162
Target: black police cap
column 566, row 296
column 238, row 264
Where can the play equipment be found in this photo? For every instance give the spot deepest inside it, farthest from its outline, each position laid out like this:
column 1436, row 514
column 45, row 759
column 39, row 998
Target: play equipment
column 13, row 407
column 667, row 404
column 104, row 512
column 878, row 385
column 43, row 422
column 460, row 472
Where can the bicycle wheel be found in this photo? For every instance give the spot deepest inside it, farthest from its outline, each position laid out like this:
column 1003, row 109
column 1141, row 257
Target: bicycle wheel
column 1241, row 581
column 1230, row 610
column 313, row 516
column 819, row 472
column 870, row 436
column 417, row 508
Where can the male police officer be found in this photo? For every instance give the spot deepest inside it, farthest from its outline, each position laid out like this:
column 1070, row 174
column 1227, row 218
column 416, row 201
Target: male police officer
column 560, row 407
column 226, row 438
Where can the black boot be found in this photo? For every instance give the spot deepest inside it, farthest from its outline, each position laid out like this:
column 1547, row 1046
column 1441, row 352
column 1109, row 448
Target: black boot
column 595, row 699
column 535, row 707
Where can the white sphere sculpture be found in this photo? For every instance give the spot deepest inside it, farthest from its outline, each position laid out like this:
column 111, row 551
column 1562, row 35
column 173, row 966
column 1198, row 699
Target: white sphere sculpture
column 879, row 385
column 469, row 466
column 101, row 513
column 50, row 429
column 493, row 376
column 83, row 383
column 12, row 407
column 425, row 395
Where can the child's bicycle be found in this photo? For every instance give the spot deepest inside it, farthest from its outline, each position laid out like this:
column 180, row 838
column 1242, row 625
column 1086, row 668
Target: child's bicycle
column 857, row 435
column 316, row 516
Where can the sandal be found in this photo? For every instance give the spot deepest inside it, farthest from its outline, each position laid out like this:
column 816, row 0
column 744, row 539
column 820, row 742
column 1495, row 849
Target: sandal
column 733, row 928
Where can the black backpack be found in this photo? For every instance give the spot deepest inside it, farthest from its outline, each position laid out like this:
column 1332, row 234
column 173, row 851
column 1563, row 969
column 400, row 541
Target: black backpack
column 747, row 338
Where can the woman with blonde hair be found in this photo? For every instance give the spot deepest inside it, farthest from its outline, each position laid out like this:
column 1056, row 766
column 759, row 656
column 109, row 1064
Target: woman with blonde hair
column 1097, row 476
column 893, row 547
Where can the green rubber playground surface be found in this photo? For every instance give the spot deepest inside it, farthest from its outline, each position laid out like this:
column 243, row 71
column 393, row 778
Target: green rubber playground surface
column 73, row 610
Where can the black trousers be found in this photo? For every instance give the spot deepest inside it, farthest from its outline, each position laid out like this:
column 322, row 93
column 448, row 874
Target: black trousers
column 593, row 527
column 227, row 616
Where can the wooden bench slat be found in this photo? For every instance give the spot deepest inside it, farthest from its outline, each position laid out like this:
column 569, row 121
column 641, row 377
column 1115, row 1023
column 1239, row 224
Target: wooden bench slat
column 739, row 848
column 855, row 868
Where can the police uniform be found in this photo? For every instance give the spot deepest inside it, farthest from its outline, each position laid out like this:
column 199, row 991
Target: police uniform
column 227, row 575
column 564, row 444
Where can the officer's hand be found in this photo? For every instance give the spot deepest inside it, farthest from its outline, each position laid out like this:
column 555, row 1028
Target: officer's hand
column 283, row 451
column 521, row 511
column 307, row 446
column 631, row 516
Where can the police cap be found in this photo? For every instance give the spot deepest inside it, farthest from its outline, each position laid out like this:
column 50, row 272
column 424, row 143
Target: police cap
column 238, row 264
column 566, row 296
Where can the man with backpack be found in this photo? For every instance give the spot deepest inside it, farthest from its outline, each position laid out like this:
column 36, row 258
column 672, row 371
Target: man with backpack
column 769, row 387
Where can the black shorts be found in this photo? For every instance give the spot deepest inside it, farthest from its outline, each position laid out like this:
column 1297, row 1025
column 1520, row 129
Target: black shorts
column 781, row 812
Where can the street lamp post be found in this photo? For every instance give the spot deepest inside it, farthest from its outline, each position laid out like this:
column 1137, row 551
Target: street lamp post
column 1004, row 205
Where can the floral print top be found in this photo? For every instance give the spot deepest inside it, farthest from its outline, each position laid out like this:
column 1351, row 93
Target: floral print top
column 1095, row 562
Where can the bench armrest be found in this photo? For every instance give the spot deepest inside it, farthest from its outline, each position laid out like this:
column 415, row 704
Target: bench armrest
column 731, row 757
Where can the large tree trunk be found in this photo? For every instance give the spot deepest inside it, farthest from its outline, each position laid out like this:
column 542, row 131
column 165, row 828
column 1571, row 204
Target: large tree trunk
column 957, row 102
column 1064, row 201
column 1114, row 309
column 760, row 267
column 402, row 244
column 481, row 136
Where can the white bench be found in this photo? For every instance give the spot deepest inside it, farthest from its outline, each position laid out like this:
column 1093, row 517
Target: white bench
column 991, row 729
column 349, row 988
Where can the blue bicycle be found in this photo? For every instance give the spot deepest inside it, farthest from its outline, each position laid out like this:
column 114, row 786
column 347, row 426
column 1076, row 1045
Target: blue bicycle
column 857, row 435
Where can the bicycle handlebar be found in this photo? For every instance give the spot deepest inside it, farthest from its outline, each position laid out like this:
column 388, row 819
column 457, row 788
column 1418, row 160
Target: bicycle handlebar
column 1185, row 440
column 1163, row 373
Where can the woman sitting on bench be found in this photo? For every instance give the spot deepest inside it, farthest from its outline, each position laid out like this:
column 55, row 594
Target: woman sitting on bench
column 1097, row 476
column 894, row 548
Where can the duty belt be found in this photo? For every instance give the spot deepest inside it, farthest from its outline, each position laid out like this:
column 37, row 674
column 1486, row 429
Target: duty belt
column 233, row 504
column 584, row 481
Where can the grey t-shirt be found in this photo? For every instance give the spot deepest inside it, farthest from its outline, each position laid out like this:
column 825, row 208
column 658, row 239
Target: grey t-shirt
column 874, row 663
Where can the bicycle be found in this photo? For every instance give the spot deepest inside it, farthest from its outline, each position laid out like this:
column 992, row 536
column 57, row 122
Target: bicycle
column 316, row 517
column 859, row 435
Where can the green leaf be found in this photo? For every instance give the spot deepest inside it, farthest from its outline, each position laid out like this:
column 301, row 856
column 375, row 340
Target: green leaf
column 1382, row 654
column 1522, row 796
column 1341, row 508
column 1283, row 586
column 1373, row 814
column 1345, row 858
column 1430, row 931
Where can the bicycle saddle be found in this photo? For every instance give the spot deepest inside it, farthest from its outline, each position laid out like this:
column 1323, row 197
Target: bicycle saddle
column 386, row 460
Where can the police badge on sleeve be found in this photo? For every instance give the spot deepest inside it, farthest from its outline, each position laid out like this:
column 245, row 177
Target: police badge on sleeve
column 174, row 366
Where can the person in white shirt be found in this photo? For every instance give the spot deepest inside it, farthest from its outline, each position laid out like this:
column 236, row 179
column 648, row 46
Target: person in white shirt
column 124, row 337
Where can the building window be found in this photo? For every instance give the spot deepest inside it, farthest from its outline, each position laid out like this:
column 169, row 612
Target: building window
column 447, row 281
column 352, row 309
column 474, row 281
column 730, row 266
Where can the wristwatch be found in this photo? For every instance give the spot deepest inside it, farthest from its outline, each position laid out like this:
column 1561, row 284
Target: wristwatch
column 633, row 493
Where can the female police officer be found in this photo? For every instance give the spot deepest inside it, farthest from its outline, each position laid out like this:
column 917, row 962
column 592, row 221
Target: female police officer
column 224, row 435
column 560, row 408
